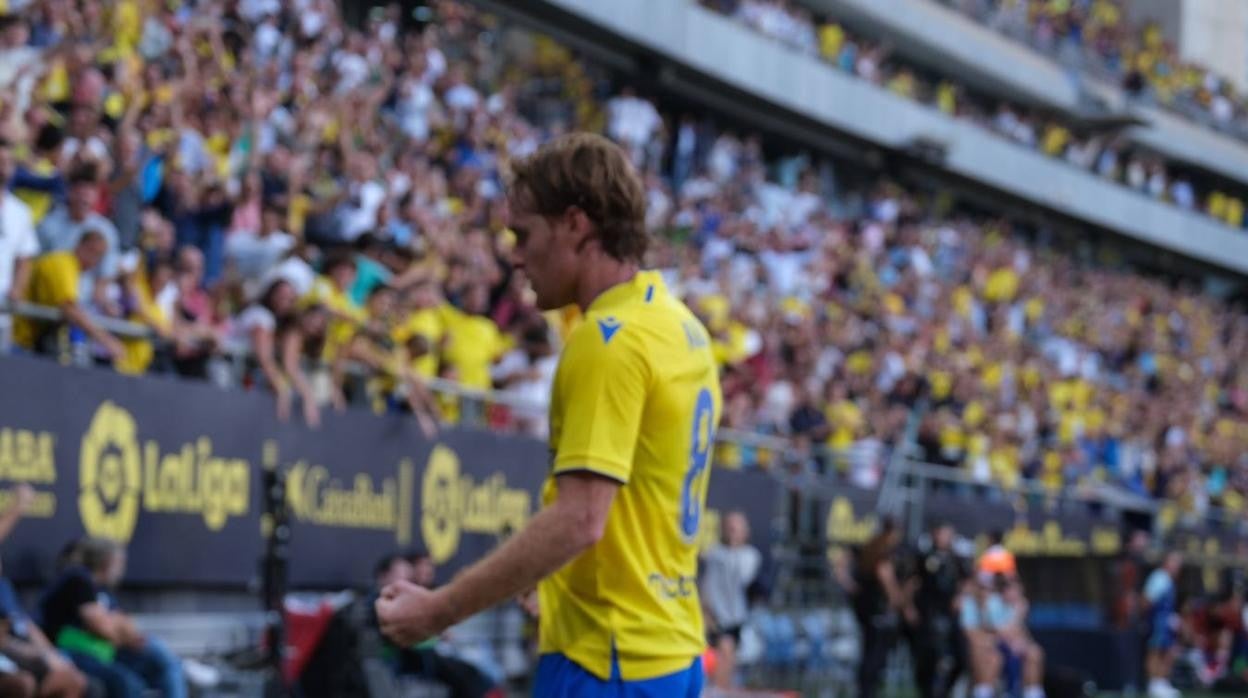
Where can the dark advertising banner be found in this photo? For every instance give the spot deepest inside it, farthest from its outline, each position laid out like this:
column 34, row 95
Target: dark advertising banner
column 165, row 467
column 173, row 470
column 1038, row 530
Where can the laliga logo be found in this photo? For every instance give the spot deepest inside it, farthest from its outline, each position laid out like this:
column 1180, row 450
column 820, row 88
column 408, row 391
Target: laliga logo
column 118, row 476
column 109, row 474
column 453, row 504
column 440, row 508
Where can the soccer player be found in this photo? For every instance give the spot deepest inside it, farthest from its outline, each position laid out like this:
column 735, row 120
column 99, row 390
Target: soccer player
column 1161, row 594
column 633, row 413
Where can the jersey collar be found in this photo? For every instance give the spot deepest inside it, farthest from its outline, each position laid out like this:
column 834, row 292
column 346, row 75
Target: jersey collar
column 644, row 286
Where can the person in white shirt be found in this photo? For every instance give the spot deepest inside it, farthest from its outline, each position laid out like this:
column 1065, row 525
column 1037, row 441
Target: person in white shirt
column 728, row 569
column 18, row 243
column 461, row 97
column 526, row 374
column 253, row 255
column 61, row 229
column 632, row 122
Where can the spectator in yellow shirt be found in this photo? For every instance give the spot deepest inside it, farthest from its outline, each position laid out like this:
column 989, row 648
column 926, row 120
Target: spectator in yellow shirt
column 54, row 280
column 423, row 332
column 831, row 39
column 375, row 347
column 333, row 290
column 473, row 341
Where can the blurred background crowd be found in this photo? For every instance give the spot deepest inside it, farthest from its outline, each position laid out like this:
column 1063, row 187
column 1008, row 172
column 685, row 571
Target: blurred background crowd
column 1157, row 77
column 1100, row 36
column 302, row 207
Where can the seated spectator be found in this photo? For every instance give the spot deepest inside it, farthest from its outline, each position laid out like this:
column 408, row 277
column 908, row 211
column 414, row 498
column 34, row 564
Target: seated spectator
column 52, row 675
column 423, row 660
column 15, row 682
column 1021, row 653
column 982, row 609
column 54, row 281
column 81, row 616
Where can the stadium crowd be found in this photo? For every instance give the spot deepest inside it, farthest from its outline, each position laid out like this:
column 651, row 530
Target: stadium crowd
column 1103, row 37
column 258, row 179
column 1102, row 151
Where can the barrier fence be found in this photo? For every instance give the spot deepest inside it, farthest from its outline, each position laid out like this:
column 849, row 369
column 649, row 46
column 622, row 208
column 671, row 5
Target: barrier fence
column 172, row 467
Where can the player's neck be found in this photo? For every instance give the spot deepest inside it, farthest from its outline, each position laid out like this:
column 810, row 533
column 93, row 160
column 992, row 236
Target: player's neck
column 601, row 274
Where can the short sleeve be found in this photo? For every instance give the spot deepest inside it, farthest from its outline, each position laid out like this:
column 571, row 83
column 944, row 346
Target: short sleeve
column 22, row 227
column 62, row 281
column 970, row 615
column 1157, row 586
column 602, row 384
column 79, row 591
column 257, row 316
column 754, row 561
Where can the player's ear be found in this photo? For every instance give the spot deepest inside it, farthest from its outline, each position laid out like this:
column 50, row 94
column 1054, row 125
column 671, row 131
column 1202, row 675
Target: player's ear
column 582, row 229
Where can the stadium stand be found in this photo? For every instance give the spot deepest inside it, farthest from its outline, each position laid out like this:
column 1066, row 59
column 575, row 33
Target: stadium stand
column 1103, row 151
column 290, row 204
column 1100, row 37
column 827, row 320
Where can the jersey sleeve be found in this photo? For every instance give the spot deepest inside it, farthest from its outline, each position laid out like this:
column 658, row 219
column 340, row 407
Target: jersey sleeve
column 1157, row 586
column 603, row 381
column 970, row 613
column 62, row 280
column 27, row 245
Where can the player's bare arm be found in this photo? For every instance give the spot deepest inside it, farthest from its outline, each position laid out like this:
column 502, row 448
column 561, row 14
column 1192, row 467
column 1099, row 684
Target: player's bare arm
column 554, row 537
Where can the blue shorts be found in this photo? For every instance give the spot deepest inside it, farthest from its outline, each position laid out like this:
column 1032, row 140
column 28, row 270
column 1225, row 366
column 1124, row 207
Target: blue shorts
column 560, row 677
column 1162, row 637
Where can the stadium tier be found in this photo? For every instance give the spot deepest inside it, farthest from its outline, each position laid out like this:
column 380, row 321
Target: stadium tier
column 933, row 294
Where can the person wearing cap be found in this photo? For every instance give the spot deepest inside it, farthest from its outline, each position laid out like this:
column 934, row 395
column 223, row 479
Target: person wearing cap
column 996, row 558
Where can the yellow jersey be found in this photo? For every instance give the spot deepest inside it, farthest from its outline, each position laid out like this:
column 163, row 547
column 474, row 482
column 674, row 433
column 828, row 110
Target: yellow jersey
column 53, row 282
column 636, row 399
column 348, row 317
column 473, row 344
column 429, row 324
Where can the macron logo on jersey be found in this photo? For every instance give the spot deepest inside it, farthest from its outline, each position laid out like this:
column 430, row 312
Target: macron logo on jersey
column 608, row 326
